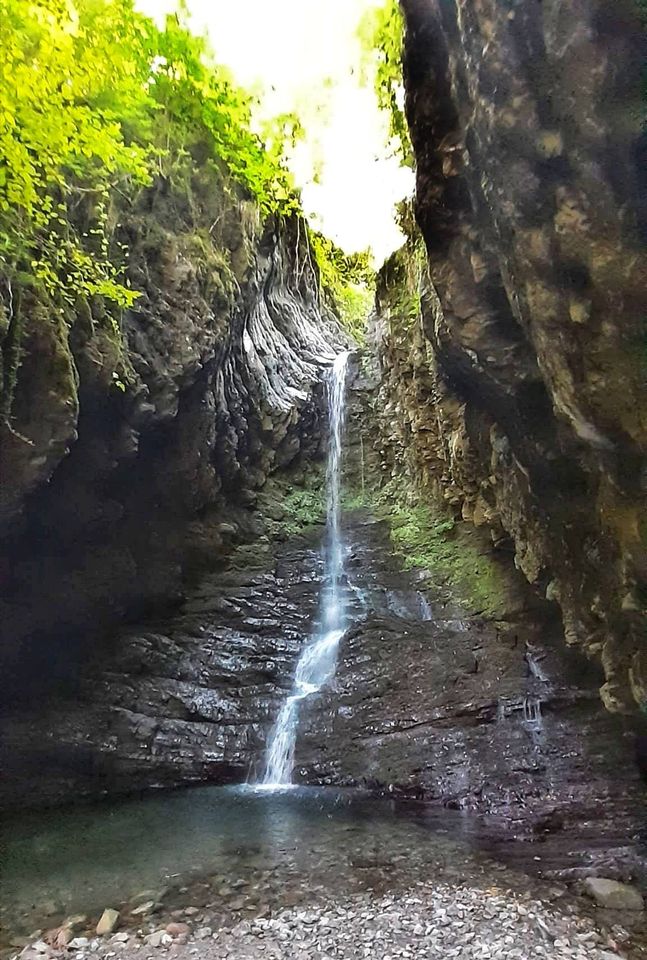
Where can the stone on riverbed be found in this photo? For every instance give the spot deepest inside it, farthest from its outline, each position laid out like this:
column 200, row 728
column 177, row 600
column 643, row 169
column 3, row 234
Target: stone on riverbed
column 143, row 908
column 79, row 943
column 159, row 938
column 612, row 894
column 108, row 922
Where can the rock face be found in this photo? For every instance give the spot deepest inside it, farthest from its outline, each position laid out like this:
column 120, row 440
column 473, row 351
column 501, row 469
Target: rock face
column 138, row 446
column 185, row 700
column 499, row 719
column 516, row 392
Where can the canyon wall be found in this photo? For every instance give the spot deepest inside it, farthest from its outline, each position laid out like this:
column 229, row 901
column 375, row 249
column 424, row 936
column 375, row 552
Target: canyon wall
column 513, row 360
column 138, row 443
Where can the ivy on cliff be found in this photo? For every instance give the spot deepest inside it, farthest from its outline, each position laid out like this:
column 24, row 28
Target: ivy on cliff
column 349, row 280
column 381, row 35
column 96, row 102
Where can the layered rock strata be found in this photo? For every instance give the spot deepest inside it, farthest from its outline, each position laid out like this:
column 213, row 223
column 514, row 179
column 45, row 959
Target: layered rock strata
column 515, row 392
column 498, row 721
column 137, row 448
column 185, row 700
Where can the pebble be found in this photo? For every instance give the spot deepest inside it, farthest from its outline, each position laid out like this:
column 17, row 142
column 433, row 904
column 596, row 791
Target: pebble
column 437, row 921
column 159, row 938
column 143, row 908
column 431, row 902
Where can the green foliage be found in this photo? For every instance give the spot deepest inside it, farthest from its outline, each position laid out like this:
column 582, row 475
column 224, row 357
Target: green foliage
column 95, row 103
column 401, row 281
column 61, row 142
column 433, row 542
column 94, row 95
column 202, row 107
column 381, row 35
column 303, row 508
column 355, row 303
column 348, row 279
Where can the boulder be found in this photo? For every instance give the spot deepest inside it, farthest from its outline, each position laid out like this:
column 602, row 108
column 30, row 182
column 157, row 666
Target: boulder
column 612, row 894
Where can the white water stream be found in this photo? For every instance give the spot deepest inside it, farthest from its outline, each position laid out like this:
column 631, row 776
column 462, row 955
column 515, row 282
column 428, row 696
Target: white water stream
column 317, row 662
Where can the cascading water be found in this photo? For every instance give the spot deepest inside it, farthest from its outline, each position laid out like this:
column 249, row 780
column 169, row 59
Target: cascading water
column 317, row 662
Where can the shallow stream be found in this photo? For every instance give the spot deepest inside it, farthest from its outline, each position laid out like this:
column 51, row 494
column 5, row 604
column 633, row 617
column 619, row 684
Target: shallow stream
column 238, row 848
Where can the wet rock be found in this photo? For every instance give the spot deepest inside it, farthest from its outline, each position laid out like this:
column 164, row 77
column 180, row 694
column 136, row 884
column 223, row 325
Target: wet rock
column 510, row 388
column 107, row 922
column 409, row 715
column 613, row 895
column 143, row 909
column 203, row 688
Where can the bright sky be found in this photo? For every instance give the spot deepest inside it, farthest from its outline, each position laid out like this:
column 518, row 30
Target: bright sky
column 292, row 49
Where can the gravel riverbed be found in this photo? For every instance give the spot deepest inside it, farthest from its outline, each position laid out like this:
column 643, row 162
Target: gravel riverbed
column 233, row 875
column 486, row 918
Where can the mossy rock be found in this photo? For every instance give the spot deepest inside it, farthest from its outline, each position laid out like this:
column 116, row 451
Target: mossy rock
column 453, row 557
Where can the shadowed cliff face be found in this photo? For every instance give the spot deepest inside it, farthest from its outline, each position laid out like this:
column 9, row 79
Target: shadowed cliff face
column 518, row 389
column 139, row 443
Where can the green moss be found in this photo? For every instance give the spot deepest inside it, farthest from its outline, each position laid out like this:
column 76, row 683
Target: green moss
column 355, row 500
column 452, row 554
column 292, row 504
column 303, row 508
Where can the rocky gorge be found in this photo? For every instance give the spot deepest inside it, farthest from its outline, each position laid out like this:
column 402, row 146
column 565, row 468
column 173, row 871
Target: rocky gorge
column 133, row 453
column 166, row 515
column 510, row 339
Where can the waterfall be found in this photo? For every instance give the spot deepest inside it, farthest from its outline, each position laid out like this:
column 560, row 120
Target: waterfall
column 317, row 663
column 532, row 712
